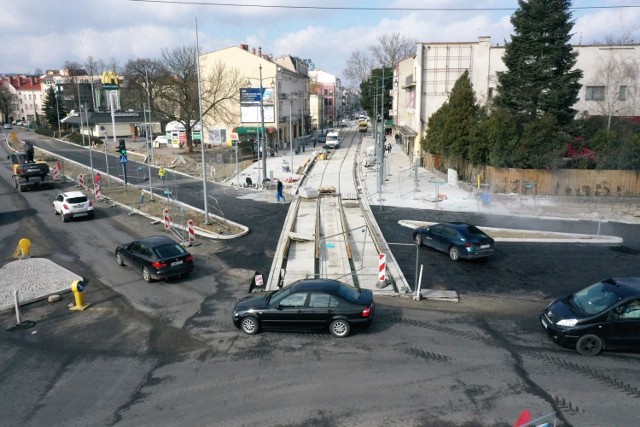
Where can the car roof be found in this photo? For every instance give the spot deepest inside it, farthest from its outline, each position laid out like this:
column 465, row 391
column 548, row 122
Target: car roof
column 326, row 285
column 70, row 194
column 629, row 286
column 155, row 241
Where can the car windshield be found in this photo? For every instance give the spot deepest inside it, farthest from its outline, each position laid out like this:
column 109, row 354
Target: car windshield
column 168, row 251
column 472, row 230
column 348, row 293
column 596, row 298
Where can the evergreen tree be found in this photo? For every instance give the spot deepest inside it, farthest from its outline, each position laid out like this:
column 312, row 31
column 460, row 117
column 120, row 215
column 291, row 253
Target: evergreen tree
column 371, row 89
column 52, row 108
column 461, row 122
column 539, row 79
column 433, row 141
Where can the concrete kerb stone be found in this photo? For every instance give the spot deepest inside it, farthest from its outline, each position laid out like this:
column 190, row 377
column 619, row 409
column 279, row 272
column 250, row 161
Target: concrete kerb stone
column 532, row 236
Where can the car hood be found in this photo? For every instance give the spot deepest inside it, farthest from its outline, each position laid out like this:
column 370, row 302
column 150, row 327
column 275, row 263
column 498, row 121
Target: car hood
column 252, row 302
column 561, row 309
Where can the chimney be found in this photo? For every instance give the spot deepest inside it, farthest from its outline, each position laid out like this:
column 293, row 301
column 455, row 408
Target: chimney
column 253, row 50
column 260, row 52
column 244, row 46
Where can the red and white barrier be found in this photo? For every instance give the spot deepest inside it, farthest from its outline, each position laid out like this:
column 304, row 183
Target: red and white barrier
column 382, row 267
column 56, row 171
column 97, row 191
column 167, row 219
column 81, row 180
column 192, row 231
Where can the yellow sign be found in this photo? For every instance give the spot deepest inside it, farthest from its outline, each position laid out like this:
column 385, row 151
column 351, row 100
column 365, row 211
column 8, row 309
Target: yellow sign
column 109, row 78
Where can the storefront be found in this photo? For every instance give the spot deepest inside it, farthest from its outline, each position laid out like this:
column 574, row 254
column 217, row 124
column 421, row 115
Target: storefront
column 128, row 124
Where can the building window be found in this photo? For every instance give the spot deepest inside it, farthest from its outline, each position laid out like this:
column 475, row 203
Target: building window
column 622, row 94
column 595, row 93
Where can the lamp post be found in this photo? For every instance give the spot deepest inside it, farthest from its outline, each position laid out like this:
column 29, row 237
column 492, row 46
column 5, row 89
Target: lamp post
column 264, row 137
column 58, row 110
column 204, row 165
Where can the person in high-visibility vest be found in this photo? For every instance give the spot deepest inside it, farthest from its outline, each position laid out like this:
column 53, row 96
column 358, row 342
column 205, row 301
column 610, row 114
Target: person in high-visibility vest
column 161, row 173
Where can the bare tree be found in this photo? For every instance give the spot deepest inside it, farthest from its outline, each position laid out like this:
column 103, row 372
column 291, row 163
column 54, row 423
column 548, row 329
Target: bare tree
column 618, row 77
column 392, row 48
column 93, row 68
column 177, row 90
column 142, row 77
column 359, row 66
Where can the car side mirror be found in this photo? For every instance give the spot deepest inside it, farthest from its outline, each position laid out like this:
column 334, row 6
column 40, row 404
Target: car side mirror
column 279, row 307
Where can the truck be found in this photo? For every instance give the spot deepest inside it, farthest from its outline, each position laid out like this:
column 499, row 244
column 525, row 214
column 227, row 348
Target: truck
column 363, row 125
column 29, row 174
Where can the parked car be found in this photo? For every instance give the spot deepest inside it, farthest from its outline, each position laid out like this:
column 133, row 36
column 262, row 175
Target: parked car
column 603, row 316
column 157, row 257
column 72, row 205
column 458, row 239
column 7, row 126
column 307, row 304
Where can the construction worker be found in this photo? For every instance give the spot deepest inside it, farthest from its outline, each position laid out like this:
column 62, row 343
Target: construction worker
column 161, row 173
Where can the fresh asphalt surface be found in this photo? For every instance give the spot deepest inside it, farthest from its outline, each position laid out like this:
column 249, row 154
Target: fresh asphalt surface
column 166, row 353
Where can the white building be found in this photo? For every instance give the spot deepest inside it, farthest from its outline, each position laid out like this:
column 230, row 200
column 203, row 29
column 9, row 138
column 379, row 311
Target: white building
column 422, row 82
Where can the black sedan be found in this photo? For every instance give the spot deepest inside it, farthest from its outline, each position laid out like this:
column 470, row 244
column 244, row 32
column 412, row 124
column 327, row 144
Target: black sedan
column 307, row 304
column 605, row 315
column 157, row 257
column 458, row 239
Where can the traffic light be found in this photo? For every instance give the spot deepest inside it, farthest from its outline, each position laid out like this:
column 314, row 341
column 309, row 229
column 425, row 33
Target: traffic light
column 122, row 148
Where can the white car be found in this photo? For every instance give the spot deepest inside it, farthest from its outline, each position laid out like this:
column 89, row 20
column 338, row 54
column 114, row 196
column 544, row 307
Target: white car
column 160, row 141
column 73, row 204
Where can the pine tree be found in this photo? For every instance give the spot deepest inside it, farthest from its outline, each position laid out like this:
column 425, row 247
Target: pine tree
column 52, row 108
column 462, row 119
column 539, row 79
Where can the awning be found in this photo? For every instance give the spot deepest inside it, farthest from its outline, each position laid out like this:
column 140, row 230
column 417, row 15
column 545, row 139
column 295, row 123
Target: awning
column 406, row 131
column 252, row 130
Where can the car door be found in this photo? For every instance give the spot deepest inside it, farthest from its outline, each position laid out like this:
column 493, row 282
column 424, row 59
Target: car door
column 431, row 236
column 439, row 237
column 320, row 309
column 288, row 313
column 57, row 203
column 624, row 328
column 137, row 255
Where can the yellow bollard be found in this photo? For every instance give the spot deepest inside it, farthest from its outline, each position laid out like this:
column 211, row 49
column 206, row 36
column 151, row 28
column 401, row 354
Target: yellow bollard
column 23, row 250
column 77, row 286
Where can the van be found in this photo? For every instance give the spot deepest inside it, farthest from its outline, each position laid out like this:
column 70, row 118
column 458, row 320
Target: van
column 333, row 140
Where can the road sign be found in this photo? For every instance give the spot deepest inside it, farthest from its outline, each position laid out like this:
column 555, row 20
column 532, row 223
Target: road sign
column 123, row 158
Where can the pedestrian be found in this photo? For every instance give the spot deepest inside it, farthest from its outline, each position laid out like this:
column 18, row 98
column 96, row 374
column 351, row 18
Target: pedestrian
column 398, row 138
column 98, row 180
column 161, row 173
column 389, row 147
column 279, row 194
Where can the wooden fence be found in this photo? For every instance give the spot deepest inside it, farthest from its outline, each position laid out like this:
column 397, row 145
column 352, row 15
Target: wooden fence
column 552, row 182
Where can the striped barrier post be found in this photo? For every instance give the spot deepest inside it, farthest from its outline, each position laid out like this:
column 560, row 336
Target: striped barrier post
column 81, row 180
column 382, row 267
column 97, row 191
column 192, row 232
column 167, row 220
column 56, row 172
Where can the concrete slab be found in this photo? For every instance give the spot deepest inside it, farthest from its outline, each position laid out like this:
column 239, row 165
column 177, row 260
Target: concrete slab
column 34, row 279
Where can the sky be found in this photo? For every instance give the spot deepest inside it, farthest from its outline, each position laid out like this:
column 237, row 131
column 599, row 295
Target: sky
column 42, row 35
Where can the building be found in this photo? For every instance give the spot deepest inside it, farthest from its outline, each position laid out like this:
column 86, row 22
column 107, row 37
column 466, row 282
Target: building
column 24, row 96
column 284, row 112
column 422, row 82
column 329, row 88
column 127, row 124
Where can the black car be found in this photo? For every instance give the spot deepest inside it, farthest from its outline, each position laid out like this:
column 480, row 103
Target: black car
column 603, row 316
column 307, row 304
column 156, row 257
column 458, row 239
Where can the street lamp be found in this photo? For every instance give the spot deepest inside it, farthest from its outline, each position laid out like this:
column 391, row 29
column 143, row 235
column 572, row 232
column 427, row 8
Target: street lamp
column 58, row 110
column 262, row 140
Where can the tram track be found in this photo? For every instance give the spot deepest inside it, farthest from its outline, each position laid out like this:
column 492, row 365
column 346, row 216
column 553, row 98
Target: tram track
column 332, row 235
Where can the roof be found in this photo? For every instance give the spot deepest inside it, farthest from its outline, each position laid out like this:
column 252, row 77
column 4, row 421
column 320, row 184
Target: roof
column 94, row 117
column 406, row 131
column 158, row 241
column 73, row 194
column 327, row 285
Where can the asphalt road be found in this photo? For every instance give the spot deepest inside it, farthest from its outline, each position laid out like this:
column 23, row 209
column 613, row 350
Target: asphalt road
column 167, row 353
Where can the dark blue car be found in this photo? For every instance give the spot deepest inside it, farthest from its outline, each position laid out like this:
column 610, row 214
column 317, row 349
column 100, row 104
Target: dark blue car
column 458, row 239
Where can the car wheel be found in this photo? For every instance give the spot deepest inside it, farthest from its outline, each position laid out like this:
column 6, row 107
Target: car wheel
column 340, row 328
column 589, row 345
column 454, row 253
column 119, row 259
column 64, row 217
column 250, row 325
column 146, row 275
column 418, row 239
